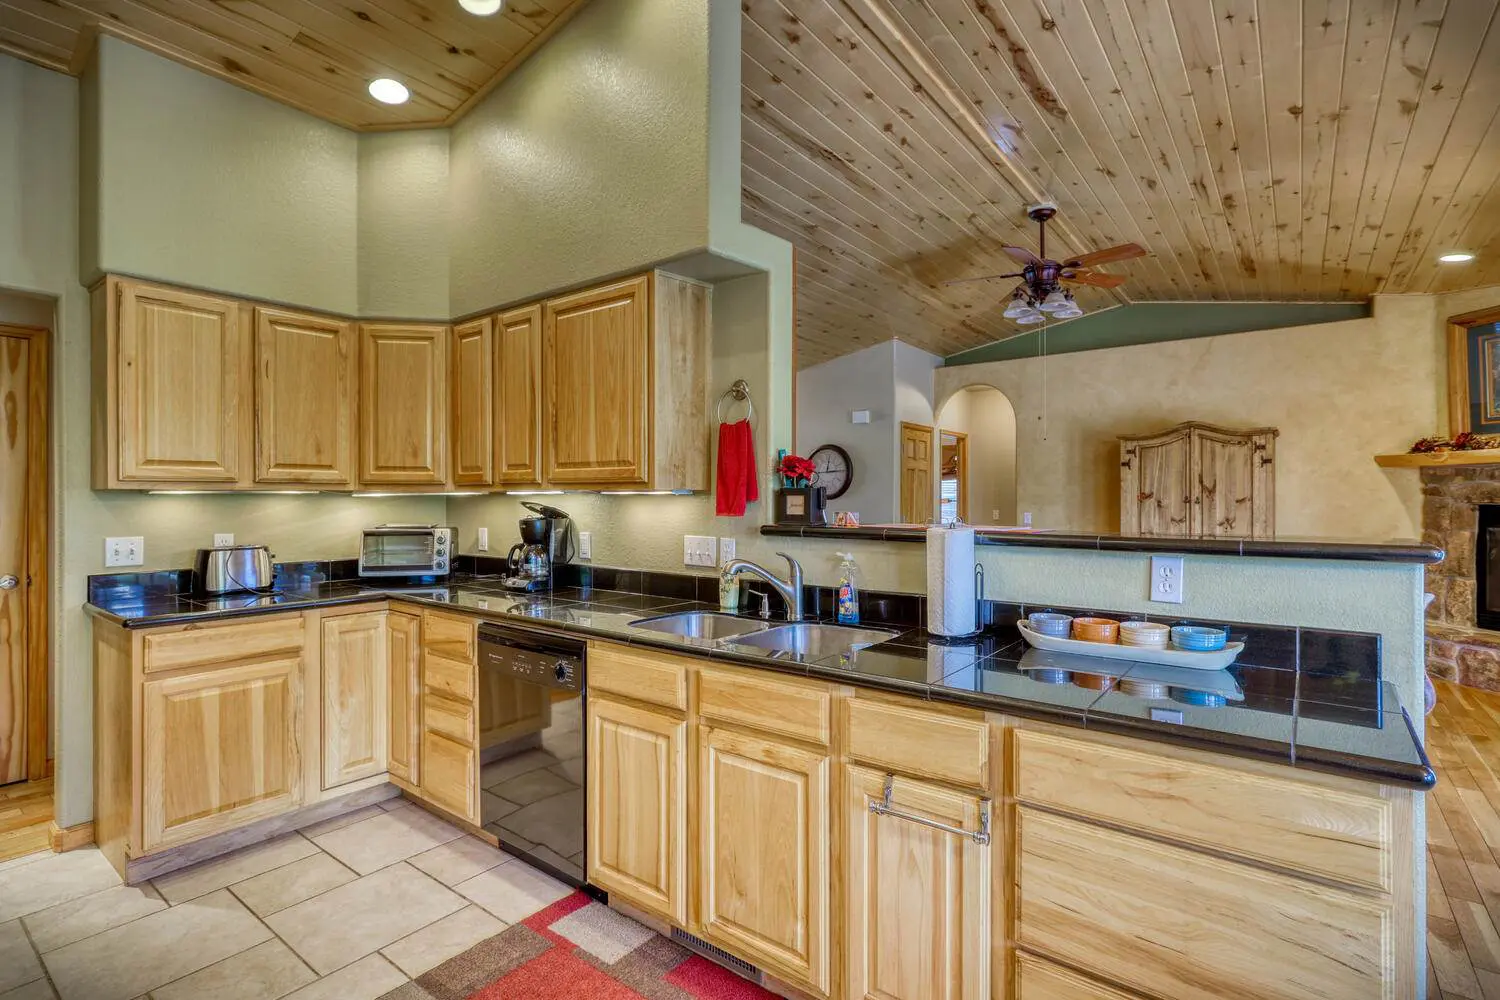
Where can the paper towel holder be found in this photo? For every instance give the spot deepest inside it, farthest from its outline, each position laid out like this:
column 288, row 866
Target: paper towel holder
column 980, row 623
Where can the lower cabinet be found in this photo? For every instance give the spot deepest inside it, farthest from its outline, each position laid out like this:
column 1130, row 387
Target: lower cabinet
column 450, row 773
column 917, row 898
column 221, row 748
column 637, row 805
column 404, row 700
column 1039, row 979
column 763, row 852
column 449, row 750
column 355, row 697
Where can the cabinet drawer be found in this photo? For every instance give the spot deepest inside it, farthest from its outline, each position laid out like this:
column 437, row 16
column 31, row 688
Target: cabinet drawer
column 647, row 676
column 197, row 645
column 1322, row 828
column 952, row 745
column 450, row 677
column 1180, row 924
column 451, row 637
column 1039, row 979
column 751, row 698
column 451, row 718
column 450, row 775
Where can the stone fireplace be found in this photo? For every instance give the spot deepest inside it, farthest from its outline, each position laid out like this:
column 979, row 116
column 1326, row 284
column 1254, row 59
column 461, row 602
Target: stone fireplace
column 1461, row 513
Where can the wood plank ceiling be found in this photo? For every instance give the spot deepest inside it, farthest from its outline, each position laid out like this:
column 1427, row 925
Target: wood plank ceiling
column 1288, row 150
column 316, row 55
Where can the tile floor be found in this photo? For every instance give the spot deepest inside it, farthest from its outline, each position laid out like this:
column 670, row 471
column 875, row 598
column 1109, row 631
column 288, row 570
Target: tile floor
column 352, row 909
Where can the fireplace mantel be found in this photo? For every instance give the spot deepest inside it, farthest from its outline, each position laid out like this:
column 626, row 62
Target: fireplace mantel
column 1435, row 459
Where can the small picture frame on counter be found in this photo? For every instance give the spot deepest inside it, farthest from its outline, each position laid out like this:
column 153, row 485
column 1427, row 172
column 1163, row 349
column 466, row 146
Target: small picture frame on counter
column 801, row 505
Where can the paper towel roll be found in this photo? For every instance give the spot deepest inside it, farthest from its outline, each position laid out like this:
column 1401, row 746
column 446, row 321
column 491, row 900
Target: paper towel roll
column 950, row 580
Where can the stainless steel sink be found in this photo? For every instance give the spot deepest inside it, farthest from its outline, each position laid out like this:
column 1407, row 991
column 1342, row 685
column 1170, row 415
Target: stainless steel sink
column 701, row 625
column 813, row 641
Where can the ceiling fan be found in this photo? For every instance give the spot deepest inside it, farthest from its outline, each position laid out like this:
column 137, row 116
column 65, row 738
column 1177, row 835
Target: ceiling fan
column 1040, row 290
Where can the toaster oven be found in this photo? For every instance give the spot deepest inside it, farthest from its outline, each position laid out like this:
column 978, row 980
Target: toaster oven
column 406, row 550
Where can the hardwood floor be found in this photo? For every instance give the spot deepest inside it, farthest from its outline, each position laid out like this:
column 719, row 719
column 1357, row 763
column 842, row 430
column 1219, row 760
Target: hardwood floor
column 25, row 818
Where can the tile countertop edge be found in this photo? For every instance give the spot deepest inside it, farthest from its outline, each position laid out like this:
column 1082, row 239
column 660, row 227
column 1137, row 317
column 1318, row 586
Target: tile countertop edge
column 1347, row 765
column 1284, row 548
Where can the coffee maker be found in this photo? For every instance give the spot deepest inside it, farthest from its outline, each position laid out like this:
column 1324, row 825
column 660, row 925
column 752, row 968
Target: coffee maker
column 546, row 543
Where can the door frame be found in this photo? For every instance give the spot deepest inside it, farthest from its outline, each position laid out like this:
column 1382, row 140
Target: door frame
column 910, row 429
column 961, row 446
column 38, row 542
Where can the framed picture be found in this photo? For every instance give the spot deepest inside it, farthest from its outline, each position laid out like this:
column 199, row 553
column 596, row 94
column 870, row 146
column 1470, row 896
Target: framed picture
column 1474, row 373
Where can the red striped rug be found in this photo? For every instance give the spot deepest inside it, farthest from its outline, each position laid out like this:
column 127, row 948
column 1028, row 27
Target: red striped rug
column 579, row 948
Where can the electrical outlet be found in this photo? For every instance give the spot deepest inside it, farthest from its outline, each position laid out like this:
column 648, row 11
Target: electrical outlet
column 483, row 544
column 222, row 539
column 585, row 545
column 1166, row 579
column 125, row 551
column 1026, row 519
column 698, row 550
column 726, row 550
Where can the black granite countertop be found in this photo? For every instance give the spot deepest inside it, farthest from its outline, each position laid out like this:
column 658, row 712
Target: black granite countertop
column 1342, row 722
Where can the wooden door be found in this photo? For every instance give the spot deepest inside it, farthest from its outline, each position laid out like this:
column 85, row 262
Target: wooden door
column 762, row 852
column 1167, row 921
column 404, row 701
column 473, row 402
column 356, row 693
column 596, row 385
column 306, row 373
column 637, row 806
column 917, row 899
column 221, row 749
column 954, row 468
column 518, row 397
column 1156, row 486
column 23, row 554
column 1232, row 495
column 183, row 386
column 916, row 473
column 403, row 405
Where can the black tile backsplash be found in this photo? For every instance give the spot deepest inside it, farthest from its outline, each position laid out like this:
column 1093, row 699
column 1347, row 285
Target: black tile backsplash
column 111, row 587
column 1340, row 654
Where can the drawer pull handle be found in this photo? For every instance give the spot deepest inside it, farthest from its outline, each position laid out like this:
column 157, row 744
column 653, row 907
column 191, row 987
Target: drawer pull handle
column 885, row 808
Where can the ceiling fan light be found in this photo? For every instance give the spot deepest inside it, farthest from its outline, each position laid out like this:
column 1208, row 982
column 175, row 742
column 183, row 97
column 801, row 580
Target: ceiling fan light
column 1071, row 312
column 1030, row 318
column 1054, row 301
column 1018, row 307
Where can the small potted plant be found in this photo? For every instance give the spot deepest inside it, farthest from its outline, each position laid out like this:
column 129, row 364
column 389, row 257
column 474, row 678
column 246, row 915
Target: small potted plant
column 798, row 501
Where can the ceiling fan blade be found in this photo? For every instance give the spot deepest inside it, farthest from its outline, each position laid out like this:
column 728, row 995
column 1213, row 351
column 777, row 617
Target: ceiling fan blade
column 1094, row 278
column 982, row 277
column 1022, row 254
column 1109, row 255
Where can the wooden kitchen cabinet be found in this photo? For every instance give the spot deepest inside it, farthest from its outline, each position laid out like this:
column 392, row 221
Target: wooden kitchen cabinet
column 449, row 738
column 404, row 701
column 403, row 405
column 306, row 374
column 518, row 397
column 473, row 377
column 172, row 401
column 355, row 697
column 637, row 805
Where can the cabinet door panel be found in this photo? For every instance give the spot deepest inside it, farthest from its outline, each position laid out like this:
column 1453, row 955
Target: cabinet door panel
column 763, row 852
column 1158, row 498
column 918, row 899
column 1225, row 490
column 404, row 659
column 183, row 386
column 596, row 385
column 473, row 402
column 1039, row 979
column 518, row 395
column 637, row 818
column 403, row 405
column 221, row 749
column 305, row 376
column 450, row 775
column 355, row 693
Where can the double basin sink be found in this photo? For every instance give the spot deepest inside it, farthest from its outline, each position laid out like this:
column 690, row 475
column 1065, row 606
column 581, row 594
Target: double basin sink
column 805, row 640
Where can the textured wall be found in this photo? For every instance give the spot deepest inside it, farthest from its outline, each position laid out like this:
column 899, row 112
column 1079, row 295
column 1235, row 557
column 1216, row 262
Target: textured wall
column 986, row 416
column 1339, row 392
column 590, row 160
column 403, row 224
column 204, row 183
column 826, row 394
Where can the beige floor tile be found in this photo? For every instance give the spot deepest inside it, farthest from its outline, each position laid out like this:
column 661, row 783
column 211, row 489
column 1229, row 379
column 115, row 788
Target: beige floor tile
column 460, row 859
column 134, row 958
column 86, row 916
column 366, row 979
column 436, row 943
column 37, row 989
column 54, row 879
column 264, row 972
column 339, row 822
column 275, row 890
column 395, row 802
column 24, row 859
column 345, row 924
column 18, row 962
column 385, row 839
column 513, row 891
column 211, row 876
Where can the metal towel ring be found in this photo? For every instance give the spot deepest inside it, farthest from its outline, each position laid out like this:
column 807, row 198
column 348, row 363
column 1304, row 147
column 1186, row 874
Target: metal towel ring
column 738, row 392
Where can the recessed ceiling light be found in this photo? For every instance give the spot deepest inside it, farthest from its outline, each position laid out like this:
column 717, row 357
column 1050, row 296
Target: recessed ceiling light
column 1456, row 257
column 484, row 8
column 388, row 91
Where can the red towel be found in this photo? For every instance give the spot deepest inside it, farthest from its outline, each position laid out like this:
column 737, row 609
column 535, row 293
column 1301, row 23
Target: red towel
column 736, row 483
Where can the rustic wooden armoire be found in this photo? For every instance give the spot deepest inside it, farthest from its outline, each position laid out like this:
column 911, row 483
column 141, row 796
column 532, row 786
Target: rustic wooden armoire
column 1197, row 479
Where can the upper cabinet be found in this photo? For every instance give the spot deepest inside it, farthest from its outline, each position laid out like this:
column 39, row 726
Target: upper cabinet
column 306, row 371
column 473, row 407
column 174, row 406
column 403, row 397
column 518, row 397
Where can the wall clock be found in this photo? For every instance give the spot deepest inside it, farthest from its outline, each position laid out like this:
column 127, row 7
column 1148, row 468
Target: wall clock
column 835, row 469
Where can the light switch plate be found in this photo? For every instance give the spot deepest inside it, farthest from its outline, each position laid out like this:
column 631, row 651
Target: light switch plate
column 585, row 545
column 483, row 544
column 125, row 551
column 223, row 539
column 726, row 550
column 699, row 550
column 1166, row 579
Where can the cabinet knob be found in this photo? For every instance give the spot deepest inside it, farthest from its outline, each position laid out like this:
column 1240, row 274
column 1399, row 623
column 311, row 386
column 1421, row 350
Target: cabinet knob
column 9, row 581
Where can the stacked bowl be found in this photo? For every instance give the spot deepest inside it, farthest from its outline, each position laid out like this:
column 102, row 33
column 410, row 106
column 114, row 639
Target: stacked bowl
column 1049, row 623
column 1199, row 638
column 1146, row 635
column 1096, row 629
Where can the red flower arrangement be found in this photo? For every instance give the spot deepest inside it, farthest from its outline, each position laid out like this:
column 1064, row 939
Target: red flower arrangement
column 1467, row 441
column 795, row 469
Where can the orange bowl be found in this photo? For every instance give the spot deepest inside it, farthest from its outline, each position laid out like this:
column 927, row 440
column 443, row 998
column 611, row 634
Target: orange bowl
column 1096, row 629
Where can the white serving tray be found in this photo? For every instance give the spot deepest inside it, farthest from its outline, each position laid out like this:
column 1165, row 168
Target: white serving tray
column 1168, row 657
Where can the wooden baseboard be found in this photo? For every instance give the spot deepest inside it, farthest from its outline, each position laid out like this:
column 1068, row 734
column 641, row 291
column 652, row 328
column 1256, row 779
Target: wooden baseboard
column 70, row 838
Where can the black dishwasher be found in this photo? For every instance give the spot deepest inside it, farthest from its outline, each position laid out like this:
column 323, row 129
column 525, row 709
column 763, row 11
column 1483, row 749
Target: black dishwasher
column 531, row 746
